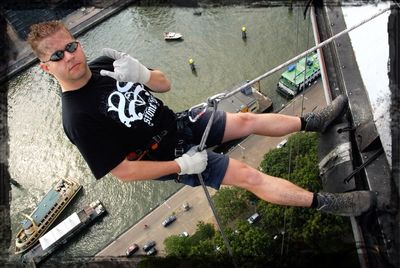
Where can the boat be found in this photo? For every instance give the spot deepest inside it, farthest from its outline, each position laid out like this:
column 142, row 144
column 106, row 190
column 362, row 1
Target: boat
column 62, row 232
column 172, row 36
column 299, row 76
column 248, row 99
column 49, row 208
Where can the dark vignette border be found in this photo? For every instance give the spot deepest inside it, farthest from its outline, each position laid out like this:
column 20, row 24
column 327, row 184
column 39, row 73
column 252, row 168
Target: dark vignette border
column 5, row 52
column 5, row 222
column 394, row 82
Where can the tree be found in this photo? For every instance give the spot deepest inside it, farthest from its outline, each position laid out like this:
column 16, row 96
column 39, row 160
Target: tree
column 177, row 246
column 200, row 243
column 230, row 202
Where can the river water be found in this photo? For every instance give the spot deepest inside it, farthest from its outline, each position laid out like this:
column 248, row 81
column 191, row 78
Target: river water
column 40, row 153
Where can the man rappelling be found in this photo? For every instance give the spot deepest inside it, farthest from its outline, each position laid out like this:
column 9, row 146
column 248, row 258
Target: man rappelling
column 110, row 114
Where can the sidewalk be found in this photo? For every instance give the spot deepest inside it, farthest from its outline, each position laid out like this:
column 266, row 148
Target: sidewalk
column 250, row 151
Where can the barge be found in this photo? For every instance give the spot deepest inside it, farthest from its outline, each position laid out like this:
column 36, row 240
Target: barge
column 46, row 212
column 60, row 234
column 299, row 76
column 247, row 100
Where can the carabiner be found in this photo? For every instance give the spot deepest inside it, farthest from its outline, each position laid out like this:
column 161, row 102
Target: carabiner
column 202, row 106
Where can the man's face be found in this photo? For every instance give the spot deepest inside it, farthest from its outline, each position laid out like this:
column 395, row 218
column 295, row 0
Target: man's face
column 72, row 70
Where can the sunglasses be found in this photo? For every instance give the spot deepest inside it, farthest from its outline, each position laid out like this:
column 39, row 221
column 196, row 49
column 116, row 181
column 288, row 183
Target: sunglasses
column 59, row 54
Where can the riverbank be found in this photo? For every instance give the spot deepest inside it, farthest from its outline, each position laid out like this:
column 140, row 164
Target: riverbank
column 249, row 151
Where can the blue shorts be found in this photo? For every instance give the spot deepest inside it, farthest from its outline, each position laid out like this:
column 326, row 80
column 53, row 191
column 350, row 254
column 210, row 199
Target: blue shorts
column 217, row 163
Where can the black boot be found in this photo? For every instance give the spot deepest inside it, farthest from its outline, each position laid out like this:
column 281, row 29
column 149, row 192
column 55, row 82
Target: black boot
column 319, row 121
column 346, row 204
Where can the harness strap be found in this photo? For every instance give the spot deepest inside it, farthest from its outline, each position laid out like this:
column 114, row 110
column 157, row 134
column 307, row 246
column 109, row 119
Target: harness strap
column 152, row 146
column 181, row 121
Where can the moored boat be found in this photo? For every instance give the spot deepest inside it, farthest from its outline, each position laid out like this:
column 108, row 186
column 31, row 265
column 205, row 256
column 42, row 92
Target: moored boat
column 49, row 208
column 247, row 100
column 61, row 233
column 299, row 76
column 172, row 36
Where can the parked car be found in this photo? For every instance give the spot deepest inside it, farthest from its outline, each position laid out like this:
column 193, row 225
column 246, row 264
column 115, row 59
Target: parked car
column 132, row 249
column 281, row 144
column 186, row 206
column 184, row 234
column 149, row 245
column 152, row 251
column 253, row 218
column 169, row 220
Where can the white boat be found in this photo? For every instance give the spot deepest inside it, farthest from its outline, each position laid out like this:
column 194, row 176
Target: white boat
column 172, row 36
column 46, row 212
column 63, row 232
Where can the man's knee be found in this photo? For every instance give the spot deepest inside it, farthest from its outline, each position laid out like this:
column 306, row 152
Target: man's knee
column 246, row 119
column 242, row 175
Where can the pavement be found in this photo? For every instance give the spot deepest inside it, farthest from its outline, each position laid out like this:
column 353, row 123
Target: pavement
column 250, row 151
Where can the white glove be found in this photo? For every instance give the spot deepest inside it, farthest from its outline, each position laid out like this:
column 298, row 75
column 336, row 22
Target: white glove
column 126, row 68
column 193, row 161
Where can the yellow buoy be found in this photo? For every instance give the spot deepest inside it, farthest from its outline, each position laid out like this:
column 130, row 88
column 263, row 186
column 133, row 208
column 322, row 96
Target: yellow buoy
column 244, row 36
column 191, row 63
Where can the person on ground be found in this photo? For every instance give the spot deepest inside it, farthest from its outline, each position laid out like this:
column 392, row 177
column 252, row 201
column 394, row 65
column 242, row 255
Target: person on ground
column 110, row 114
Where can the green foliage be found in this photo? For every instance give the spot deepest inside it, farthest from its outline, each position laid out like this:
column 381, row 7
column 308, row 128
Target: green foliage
column 296, row 161
column 230, row 203
column 249, row 240
column 204, row 231
column 177, row 246
column 200, row 243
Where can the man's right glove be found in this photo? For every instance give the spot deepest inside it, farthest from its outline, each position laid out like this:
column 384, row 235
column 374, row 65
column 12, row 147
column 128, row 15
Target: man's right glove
column 126, row 68
column 193, row 161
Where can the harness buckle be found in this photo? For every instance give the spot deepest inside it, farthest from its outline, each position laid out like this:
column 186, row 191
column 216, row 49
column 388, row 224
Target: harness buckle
column 179, row 152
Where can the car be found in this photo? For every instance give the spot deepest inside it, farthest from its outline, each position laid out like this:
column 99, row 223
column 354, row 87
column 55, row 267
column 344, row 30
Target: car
column 253, row 218
column 132, row 249
column 149, row 245
column 281, row 144
column 152, row 251
column 186, row 206
column 184, row 234
column 169, row 220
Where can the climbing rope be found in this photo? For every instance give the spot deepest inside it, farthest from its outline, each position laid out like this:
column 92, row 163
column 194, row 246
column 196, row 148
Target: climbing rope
column 214, row 100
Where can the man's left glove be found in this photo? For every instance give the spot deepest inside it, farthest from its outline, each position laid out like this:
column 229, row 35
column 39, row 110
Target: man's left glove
column 126, row 68
column 193, row 161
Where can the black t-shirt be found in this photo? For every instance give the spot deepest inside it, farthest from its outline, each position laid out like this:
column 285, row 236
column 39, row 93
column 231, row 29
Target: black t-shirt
column 107, row 119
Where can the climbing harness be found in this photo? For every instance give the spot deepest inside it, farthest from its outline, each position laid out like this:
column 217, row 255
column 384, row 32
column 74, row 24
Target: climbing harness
column 181, row 123
column 152, row 146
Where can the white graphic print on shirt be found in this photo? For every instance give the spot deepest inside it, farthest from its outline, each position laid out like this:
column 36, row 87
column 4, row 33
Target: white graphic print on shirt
column 138, row 102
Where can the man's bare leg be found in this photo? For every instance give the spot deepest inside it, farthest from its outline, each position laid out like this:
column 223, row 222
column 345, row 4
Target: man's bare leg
column 271, row 189
column 282, row 192
column 274, row 125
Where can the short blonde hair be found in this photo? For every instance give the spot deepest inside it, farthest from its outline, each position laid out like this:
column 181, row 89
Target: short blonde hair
column 39, row 31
